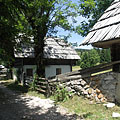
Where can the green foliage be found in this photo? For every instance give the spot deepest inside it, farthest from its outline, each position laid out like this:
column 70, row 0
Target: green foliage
column 39, row 18
column 61, row 94
column 93, row 57
column 105, row 55
column 92, row 10
column 89, row 59
column 33, row 83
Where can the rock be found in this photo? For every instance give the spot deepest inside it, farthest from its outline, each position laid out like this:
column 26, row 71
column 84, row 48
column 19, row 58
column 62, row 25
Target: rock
column 97, row 90
column 68, row 89
column 88, row 96
column 109, row 77
column 94, row 95
column 87, row 86
column 78, row 94
column 79, row 88
column 107, row 81
column 77, row 82
column 110, row 97
column 85, row 92
column 72, row 90
column 103, row 99
column 115, row 115
column 83, row 83
column 105, row 87
column 109, row 105
column 96, row 99
column 90, row 90
column 72, row 82
column 68, row 83
column 111, row 86
column 100, row 96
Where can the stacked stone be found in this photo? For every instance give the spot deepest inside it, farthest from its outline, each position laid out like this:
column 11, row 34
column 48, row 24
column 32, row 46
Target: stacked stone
column 81, row 87
column 101, row 87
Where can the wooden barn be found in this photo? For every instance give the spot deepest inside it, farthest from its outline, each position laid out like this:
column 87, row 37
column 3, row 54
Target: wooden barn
column 58, row 56
column 106, row 34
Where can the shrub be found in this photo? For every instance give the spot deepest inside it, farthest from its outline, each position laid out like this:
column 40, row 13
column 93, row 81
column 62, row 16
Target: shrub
column 61, row 93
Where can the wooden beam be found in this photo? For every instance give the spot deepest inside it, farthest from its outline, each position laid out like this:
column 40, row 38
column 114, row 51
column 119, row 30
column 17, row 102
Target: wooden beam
column 107, row 43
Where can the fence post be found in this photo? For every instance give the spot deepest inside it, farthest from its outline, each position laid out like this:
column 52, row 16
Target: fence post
column 48, row 90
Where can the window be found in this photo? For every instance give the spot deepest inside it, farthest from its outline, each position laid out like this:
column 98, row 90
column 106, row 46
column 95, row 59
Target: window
column 29, row 72
column 58, row 71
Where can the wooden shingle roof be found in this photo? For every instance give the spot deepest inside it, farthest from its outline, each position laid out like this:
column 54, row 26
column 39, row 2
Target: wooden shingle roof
column 107, row 29
column 55, row 48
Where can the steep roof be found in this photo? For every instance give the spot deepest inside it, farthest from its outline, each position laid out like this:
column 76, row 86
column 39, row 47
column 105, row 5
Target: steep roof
column 107, row 28
column 55, row 48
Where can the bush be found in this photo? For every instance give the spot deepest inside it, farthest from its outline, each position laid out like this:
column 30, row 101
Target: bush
column 61, row 94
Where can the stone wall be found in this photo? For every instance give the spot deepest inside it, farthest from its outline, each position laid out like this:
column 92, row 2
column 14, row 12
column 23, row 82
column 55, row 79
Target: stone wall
column 106, row 83
column 100, row 87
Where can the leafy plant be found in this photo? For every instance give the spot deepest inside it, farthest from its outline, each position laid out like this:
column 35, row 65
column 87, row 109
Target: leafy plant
column 33, row 84
column 62, row 94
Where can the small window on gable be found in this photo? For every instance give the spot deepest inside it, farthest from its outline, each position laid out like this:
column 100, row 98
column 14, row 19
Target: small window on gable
column 29, row 72
column 58, row 71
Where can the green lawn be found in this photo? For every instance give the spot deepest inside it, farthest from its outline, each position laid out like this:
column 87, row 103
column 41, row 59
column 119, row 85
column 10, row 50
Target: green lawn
column 90, row 110
column 74, row 68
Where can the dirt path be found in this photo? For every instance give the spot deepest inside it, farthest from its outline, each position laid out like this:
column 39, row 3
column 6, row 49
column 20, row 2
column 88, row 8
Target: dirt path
column 16, row 106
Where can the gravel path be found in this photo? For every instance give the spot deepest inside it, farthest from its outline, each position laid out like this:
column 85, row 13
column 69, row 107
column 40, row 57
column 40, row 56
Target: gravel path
column 16, row 106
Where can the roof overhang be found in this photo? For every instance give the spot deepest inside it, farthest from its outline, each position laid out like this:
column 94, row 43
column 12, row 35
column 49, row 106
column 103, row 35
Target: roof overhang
column 106, row 44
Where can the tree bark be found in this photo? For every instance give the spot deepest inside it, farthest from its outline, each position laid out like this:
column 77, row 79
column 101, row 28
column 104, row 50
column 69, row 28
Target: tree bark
column 39, row 55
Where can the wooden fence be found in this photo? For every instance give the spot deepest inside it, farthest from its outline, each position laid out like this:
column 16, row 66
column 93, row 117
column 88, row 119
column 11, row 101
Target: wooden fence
column 4, row 74
column 48, row 86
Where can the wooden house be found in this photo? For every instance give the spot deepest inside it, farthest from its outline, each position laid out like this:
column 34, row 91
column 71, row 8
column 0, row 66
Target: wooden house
column 106, row 34
column 58, row 56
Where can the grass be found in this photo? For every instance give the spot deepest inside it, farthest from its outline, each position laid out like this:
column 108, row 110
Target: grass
column 19, row 88
column 36, row 94
column 74, row 68
column 89, row 110
column 13, row 86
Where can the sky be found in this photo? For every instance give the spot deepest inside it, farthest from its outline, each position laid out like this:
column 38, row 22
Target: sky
column 74, row 36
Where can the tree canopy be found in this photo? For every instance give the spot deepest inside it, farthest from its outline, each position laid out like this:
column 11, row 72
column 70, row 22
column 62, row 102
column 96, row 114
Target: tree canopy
column 36, row 18
column 92, row 10
column 93, row 57
column 39, row 18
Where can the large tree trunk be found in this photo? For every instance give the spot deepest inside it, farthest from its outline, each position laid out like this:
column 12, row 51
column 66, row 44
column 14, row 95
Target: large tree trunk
column 39, row 55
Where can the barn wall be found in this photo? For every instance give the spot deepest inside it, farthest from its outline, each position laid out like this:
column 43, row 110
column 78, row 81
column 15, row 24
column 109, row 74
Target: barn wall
column 50, row 70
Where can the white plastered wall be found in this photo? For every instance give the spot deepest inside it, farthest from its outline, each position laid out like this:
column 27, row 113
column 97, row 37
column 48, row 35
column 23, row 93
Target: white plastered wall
column 29, row 66
column 50, row 70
